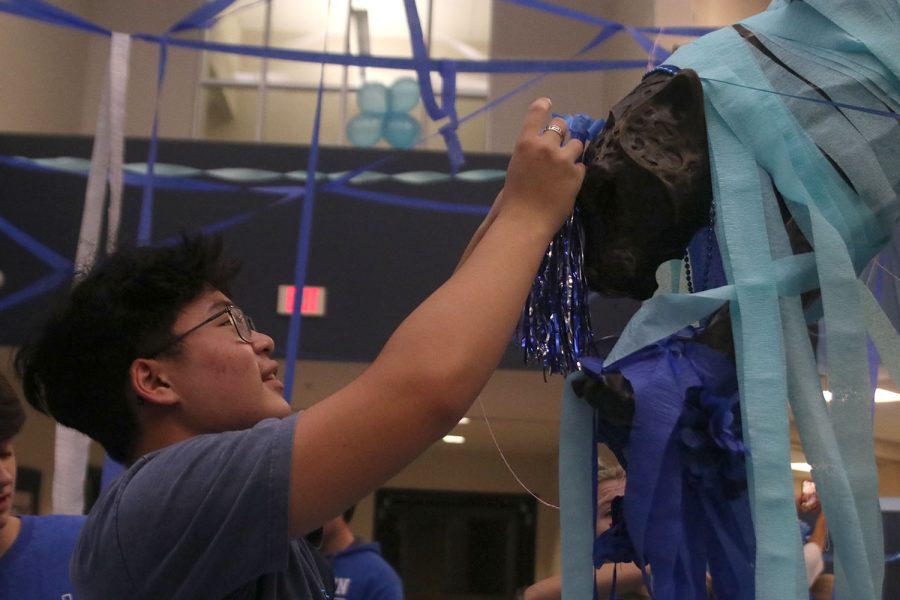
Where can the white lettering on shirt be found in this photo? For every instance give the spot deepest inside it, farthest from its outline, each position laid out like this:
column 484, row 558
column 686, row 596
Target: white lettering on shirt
column 341, row 586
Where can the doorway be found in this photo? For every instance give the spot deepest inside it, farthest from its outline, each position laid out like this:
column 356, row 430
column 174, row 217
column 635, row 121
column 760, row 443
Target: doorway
column 457, row 545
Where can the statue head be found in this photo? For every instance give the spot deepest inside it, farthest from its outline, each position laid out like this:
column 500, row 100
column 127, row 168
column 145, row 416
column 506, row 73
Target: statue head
column 647, row 189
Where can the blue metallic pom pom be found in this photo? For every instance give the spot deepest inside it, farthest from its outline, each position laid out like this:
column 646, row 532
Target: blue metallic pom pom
column 555, row 328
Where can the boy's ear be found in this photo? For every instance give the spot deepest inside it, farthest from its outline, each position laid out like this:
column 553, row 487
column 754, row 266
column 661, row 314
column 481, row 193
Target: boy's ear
column 149, row 381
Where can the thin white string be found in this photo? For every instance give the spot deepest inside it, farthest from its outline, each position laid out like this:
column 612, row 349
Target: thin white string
column 506, row 462
column 651, row 58
column 885, row 269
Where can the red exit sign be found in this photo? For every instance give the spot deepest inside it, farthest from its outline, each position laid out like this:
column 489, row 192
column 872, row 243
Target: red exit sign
column 311, row 305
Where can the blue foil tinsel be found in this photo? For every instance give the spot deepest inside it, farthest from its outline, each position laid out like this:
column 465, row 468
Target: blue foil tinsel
column 555, row 328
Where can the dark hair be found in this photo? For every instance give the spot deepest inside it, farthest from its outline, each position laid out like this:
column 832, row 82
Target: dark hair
column 12, row 415
column 77, row 371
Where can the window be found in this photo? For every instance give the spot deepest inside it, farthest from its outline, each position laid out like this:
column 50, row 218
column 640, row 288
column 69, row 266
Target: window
column 246, row 98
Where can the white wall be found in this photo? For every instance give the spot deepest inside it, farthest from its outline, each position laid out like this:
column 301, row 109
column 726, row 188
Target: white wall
column 42, row 70
column 528, row 34
column 51, row 77
column 141, row 16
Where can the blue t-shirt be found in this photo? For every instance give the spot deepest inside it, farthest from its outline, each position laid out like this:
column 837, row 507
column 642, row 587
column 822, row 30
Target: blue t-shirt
column 36, row 566
column 206, row 518
column 360, row 573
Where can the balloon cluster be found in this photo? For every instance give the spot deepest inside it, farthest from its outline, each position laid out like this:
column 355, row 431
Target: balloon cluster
column 384, row 114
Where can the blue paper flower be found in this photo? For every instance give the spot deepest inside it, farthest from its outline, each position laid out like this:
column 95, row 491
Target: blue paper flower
column 711, row 441
column 582, row 127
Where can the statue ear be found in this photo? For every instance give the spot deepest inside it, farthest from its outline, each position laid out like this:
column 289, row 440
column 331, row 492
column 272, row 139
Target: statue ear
column 667, row 129
column 683, row 94
column 598, row 147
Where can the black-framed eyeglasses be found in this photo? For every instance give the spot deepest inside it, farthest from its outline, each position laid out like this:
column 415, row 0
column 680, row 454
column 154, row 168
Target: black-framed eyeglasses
column 242, row 323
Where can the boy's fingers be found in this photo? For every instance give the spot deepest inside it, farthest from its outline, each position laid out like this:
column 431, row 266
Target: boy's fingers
column 536, row 116
column 574, row 148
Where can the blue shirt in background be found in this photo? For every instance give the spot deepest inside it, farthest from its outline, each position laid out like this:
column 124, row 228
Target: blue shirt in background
column 36, row 566
column 360, row 573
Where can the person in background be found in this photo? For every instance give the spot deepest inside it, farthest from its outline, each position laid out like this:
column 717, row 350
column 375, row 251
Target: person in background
column 360, row 572
column 150, row 356
column 628, row 577
column 814, row 539
column 34, row 551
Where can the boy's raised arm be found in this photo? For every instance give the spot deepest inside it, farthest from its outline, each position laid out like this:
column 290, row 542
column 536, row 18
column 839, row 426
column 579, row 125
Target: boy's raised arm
column 438, row 360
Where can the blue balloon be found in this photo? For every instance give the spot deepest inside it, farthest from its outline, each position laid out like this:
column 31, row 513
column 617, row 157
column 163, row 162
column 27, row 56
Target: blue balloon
column 404, row 95
column 401, row 130
column 372, row 98
column 365, row 129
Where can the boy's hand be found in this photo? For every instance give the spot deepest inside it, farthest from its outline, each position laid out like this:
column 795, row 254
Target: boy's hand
column 543, row 176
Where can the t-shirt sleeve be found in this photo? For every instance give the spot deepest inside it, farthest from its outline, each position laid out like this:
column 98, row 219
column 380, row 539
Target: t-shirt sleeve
column 389, row 586
column 208, row 515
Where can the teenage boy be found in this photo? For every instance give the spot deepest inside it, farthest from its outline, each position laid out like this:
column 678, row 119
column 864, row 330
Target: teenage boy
column 151, row 357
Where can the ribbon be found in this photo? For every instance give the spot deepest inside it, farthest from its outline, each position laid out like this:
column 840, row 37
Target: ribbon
column 303, row 241
column 47, row 13
column 71, row 447
column 576, row 509
column 145, row 223
column 106, row 160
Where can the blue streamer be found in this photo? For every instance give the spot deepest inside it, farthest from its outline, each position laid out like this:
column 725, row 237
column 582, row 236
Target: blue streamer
column 224, row 224
column 42, row 252
column 637, row 34
column 341, row 185
column 304, row 237
column 685, row 502
column 412, row 203
column 595, row 20
column 203, row 17
column 449, row 131
column 420, row 56
column 568, row 13
column 145, row 224
column 354, row 60
column 41, row 286
column 42, row 11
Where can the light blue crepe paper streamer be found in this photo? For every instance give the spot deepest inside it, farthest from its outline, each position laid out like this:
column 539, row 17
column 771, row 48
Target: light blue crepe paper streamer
column 760, row 355
column 846, row 447
column 576, row 510
column 771, row 567
column 819, row 442
column 843, row 311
